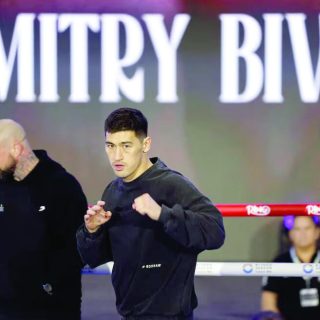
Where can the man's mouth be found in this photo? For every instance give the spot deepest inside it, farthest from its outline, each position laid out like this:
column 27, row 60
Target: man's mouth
column 118, row 167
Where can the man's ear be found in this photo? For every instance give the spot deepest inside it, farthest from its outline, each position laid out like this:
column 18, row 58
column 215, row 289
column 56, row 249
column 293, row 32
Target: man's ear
column 16, row 150
column 146, row 144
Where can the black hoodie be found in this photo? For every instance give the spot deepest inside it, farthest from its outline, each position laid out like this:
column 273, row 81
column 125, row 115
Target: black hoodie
column 39, row 263
column 154, row 261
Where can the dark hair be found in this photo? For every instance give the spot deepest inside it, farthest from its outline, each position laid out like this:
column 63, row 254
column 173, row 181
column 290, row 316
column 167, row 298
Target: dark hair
column 288, row 221
column 124, row 119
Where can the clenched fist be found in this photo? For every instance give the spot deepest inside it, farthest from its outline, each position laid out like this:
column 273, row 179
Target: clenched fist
column 146, row 205
column 96, row 216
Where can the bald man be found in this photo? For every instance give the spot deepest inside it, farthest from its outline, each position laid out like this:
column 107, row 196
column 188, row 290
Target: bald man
column 41, row 207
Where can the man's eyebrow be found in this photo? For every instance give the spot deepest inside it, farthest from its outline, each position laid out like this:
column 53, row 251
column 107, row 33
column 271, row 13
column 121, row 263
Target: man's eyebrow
column 123, row 142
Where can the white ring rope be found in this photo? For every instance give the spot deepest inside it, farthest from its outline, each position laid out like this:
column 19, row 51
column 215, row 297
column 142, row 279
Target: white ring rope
column 237, row 269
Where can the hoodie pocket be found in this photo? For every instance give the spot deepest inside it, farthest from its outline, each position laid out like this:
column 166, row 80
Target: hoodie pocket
column 28, row 277
column 6, row 286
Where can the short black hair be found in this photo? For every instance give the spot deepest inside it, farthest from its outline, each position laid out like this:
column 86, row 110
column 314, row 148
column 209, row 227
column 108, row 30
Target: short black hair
column 124, row 119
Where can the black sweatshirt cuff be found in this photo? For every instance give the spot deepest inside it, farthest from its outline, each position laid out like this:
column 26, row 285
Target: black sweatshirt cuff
column 92, row 235
column 165, row 214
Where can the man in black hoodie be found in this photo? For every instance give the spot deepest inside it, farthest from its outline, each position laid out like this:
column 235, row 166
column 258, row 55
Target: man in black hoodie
column 152, row 223
column 41, row 207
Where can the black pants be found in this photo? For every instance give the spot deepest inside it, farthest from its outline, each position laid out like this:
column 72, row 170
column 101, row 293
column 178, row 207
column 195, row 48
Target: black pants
column 35, row 317
column 52, row 314
column 21, row 317
column 57, row 316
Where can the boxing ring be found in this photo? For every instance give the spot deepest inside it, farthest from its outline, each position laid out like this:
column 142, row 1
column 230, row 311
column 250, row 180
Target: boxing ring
column 250, row 268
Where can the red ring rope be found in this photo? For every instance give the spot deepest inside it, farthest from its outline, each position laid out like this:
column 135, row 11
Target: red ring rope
column 270, row 210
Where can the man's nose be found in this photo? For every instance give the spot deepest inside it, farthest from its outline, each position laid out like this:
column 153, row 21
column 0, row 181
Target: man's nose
column 118, row 154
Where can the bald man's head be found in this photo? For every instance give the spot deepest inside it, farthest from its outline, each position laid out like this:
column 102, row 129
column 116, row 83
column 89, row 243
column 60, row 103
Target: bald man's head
column 11, row 132
column 13, row 146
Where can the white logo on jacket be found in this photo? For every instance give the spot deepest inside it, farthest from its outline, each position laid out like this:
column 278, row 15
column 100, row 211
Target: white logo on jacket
column 151, row 266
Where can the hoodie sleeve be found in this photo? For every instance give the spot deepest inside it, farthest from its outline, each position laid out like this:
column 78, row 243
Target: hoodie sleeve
column 193, row 221
column 94, row 248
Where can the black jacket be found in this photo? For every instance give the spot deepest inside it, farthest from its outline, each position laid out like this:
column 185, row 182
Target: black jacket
column 154, row 261
column 38, row 220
